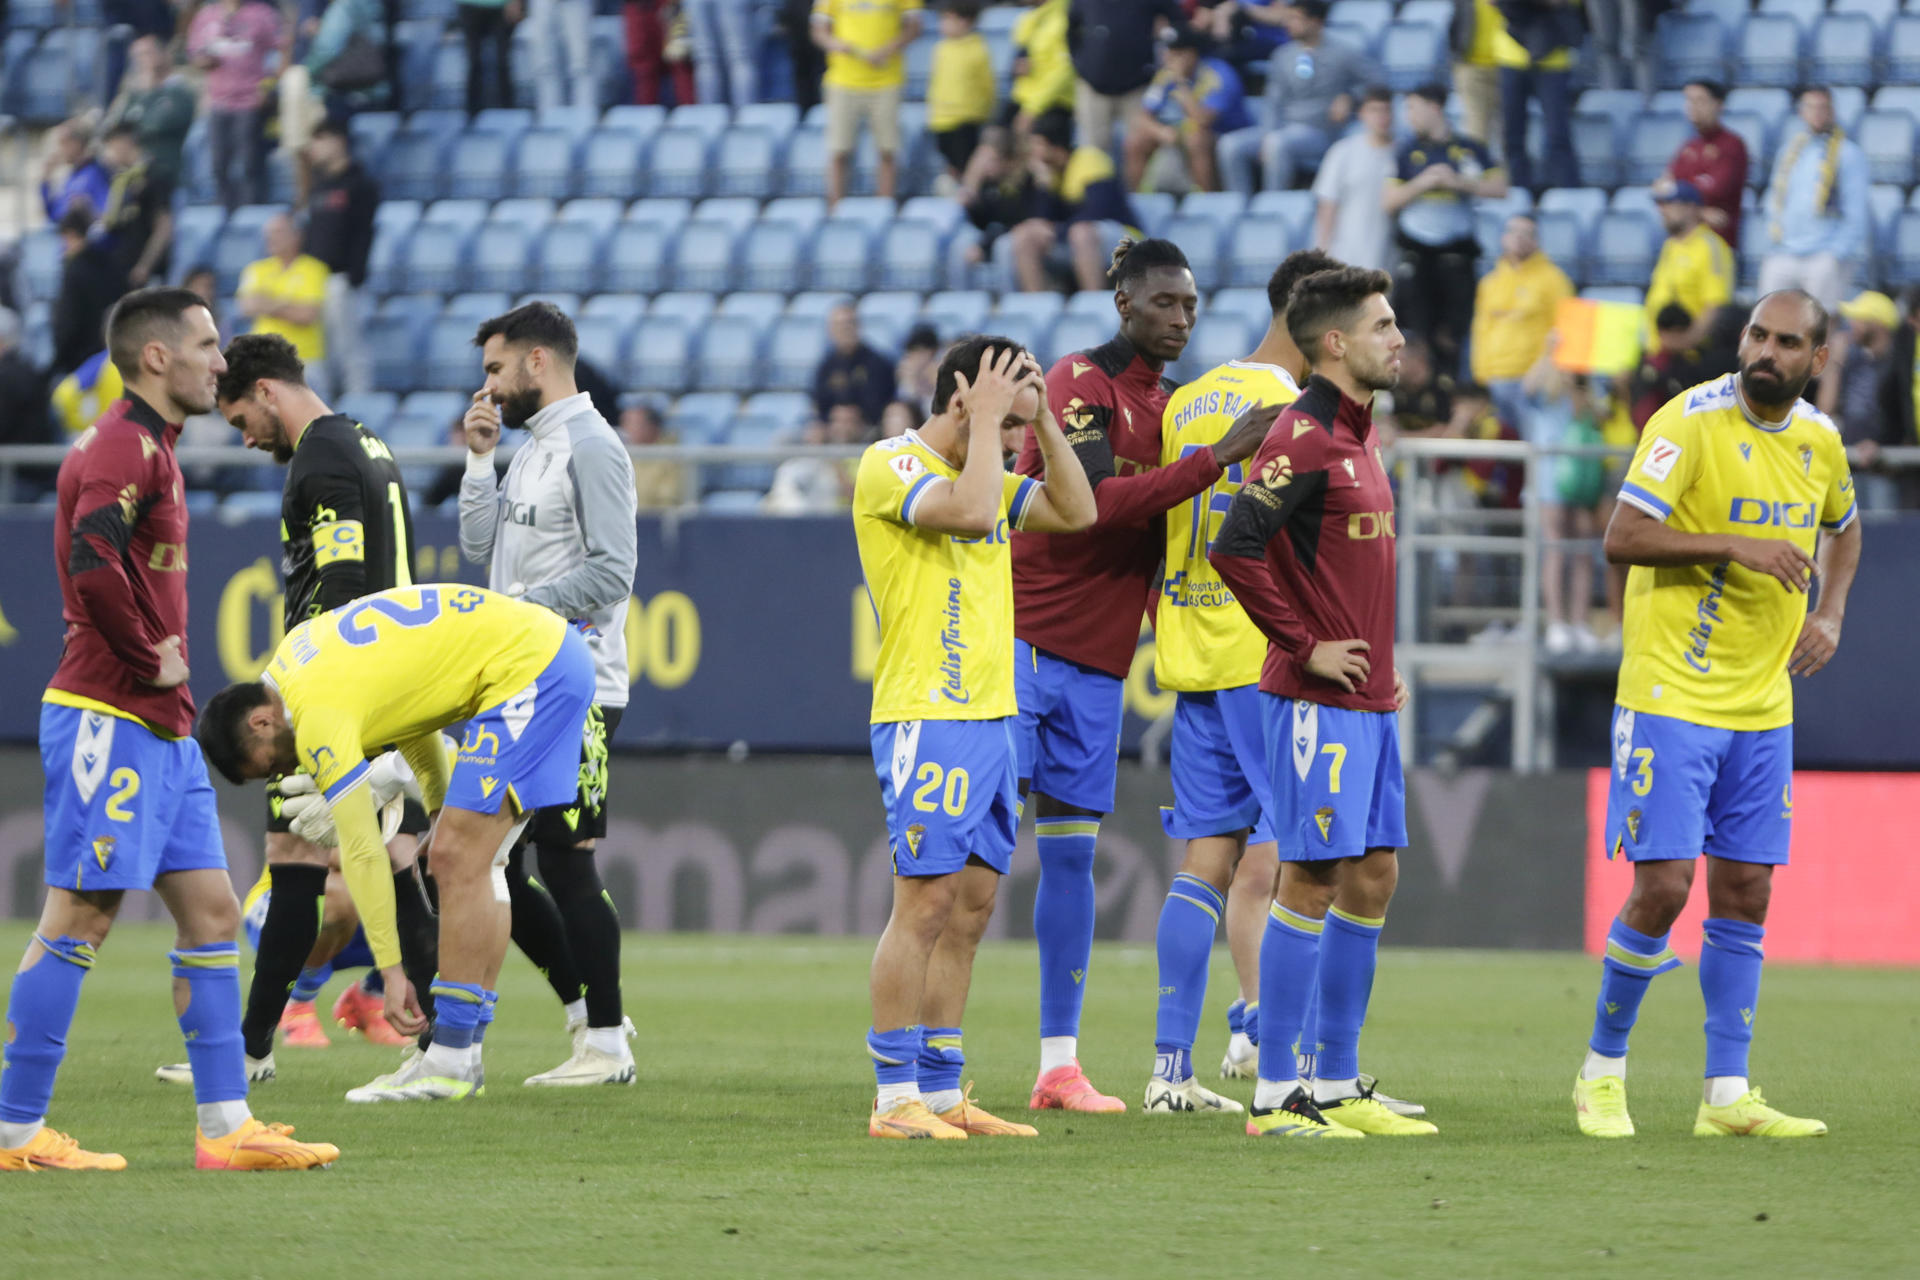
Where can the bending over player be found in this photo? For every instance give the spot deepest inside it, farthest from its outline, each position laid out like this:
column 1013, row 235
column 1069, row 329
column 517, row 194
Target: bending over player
column 1717, row 517
column 931, row 512
column 398, row 667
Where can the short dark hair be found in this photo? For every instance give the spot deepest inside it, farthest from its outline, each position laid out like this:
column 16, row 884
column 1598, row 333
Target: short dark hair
column 964, row 357
column 120, row 129
column 143, row 316
column 222, row 731
column 1055, row 126
column 921, row 336
column 1433, row 91
column 1672, row 316
column 333, row 129
column 968, row 9
column 1327, row 301
column 1376, row 93
column 1294, row 268
column 253, row 356
column 77, row 220
column 1143, row 256
column 1715, row 90
column 537, row 324
column 1816, row 331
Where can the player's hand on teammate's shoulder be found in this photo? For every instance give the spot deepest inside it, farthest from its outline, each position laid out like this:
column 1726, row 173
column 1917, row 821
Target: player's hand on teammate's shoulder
column 173, row 667
column 482, row 423
column 1340, row 662
column 1777, row 558
column 1244, row 437
column 1819, row 640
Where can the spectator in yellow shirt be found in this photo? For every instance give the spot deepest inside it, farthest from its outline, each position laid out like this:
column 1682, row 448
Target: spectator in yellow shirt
column 286, row 293
column 865, row 77
column 1043, row 77
column 1695, row 268
column 960, row 87
column 1513, row 312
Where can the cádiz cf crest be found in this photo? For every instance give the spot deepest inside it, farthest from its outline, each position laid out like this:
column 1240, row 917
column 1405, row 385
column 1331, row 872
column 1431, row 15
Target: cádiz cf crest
column 103, row 850
column 1323, row 818
column 916, row 832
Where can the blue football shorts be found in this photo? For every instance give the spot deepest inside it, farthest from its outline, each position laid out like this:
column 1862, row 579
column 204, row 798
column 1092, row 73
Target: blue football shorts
column 1068, row 736
column 1680, row 789
column 124, row 806
column 1219, row 767
column 528, row 747
column 1338, row 788
column 950, row 793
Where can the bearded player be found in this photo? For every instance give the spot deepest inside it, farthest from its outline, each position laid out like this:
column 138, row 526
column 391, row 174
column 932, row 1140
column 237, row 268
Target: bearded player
column 1717, row 518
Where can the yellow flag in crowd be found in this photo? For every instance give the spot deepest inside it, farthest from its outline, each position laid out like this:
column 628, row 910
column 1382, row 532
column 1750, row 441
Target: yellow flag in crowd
column 1597, row 337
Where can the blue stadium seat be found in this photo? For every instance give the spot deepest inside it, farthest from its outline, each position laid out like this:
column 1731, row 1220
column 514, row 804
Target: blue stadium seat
column 1769, row 102
column 737, row 212
column 732, row 502
column 509, row 122
column 1902, row 63
column 411, row 165
column 1624, row 244
column 543, row 165
column 1221, row 208
column 1370, row 15
column 612, row 163
column 1689, row 46
column 1412, row 55
column 1758, row 137
column 1903, row 259
column 1899, row 97
column 778, row 118
column 1249, row 306
column 817, row 302
column 1652, row 142
column 394, row 339
column 532, row 213
column 1767, row 51
column 747, row 163
column 885, row 317
column 1586, row 204
column 794, row 348
column 1878, row 12
column 910, row 256
column 957, row 311
column 567, row 256
column 806, row 173
column 624, row 308
column 1620, row 104
column 772, row 257
column 702, row 417
column 1217, row 338
column 476, row 166
column 1561, row 239
column 637, row 118
column 842, row 254
column 1041, row 308
column 461, row 215
column 804, row 212
column 762, row 307
column 1200, row 237
column 1090, row 302
column 1849, row 104
column 659, row 356
column 370, row 409
column 687, row 308
column 1154, row 209
column 919, row 66
column 1888, row 139
column 665, row 214
column 1634, row 200
column 730, row 354
column 603, row 341
column 450, row 360
column 1596, row 146
column 194, row 229
column 706, row 118
column 441, row 407
column 1842, row 50
column 703, row 258
column 1296, row 207
column 370, row 132
column 746, row 429
column 566, row 302
column 677, row 162
column 790, row 410
column 598, row 212
column 1366, row 40
column 41, row 260
column 476, row 306
column 1255, row 246
column 448, row 68
column 636, row 258
column 500, row 257
column 1884, row 202
column 397, row 215
column 1072, row 333
column 942, row 211
column 384, row 260
column 872, row 212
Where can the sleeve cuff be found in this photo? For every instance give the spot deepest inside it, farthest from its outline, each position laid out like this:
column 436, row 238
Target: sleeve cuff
column 1837, row 526
column 348, row 781
column 480, row 465
column 1648, row 502
column 912, row 500
column 1022, row 499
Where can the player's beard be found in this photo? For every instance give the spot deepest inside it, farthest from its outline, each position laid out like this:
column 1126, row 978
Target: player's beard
column 1381, row 376
column 517, row 406
column 286, row 756
column 1769, row 386
column 282, row 448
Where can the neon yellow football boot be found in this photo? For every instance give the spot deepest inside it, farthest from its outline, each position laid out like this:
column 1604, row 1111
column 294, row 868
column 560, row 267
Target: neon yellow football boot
column 1749, row 1116
column 1600, row 1106
column 1368, row 1114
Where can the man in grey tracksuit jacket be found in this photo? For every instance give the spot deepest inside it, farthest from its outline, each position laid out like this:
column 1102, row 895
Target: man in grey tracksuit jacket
column 559, row 531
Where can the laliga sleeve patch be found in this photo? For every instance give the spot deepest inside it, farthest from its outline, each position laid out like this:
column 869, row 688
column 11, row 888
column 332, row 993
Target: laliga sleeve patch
column 908, row 467
column 1660, row 458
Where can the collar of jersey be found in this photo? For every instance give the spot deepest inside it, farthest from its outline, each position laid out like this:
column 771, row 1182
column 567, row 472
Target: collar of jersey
column 1740, row 401
column 543, row 423
column 1270, row 368
column 144, row 414
column 913, row 434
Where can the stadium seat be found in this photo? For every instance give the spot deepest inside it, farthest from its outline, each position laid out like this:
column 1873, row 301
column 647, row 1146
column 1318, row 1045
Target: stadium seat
column 411, row 165
column 612, row 163
column 659, row 356
column 1372, row 15
column 370, row 132
column 1903, row 259
column 1561, row 239
column 1902, row 62
column 1596, row 146
column 677, row 162
column 703, row 258
column 910, row 257
column 598, row 212
column 1412, row 55
column 543, row 165
column 885, row 318
column 1899, row 97
column 1690, row 45
column 41, row 258
column 772, row 256
column 1586, row 204
column 508, row 122
column 1652, row 141
column 1620, row 104
column 1154, row 209
column 1624, row 244
column 1767, row 51
column 499, row 258
column 708, row 119
column 531, row 213
column 1296, row 207
column 603, row 341
column 1758, row 137
column 1254, row 246
column 475, row 306
column 383, row 260
column 1365, row 40
column 566, row 302
column 954, row 312
column 747, row 429
column 1888, row 139
column 872, row 212
column 794, row 348
column 817, row 302
column 1072, row 333
column 730, row 354
column 1841, row 50
column 626, row 308
column 1200, row 238
column 747, row 163
column 1090, row 302
column 1849, row 104
column 450, row 360
column 1222, row 208
column 370, row 409
column 476, row 166
column 687, row 308
column 1878, row 12
column 663, row 213
column 942, row 211
column 440, row 407
column 702, row 417
column 394, row 339
column 194, row 230
column 842, row 253
column 778, row 118
column 1250, row 306
column 803, row 212
column 1217, row 338
column 1884, row 202
column 567, row 256
column 762, row 307
column 737, row 212
column 790, row 410
column 806, row 172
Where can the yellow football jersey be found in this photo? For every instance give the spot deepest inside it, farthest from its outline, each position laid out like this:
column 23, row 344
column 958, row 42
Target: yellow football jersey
column 944, row 603
column 1203, row 640
column 398, row 665
column 1709, row 643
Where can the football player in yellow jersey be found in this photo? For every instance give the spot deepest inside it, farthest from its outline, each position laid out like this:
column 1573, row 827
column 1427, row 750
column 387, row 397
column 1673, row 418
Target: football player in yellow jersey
column 397, row 667
column 1719, row 515
column 931, row 512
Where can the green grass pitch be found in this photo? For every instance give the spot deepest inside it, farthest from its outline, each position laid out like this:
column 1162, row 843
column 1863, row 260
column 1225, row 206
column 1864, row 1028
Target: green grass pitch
column 742, row 1151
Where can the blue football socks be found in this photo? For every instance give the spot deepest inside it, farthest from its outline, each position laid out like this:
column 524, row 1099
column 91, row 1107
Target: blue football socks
column 1309, row 1030
column 1730, row 982
column 457, row 1010
column 938, row 1068
column 39, row 1012
column 307, row 987
column 211, row 1020
column 896, row 1063
column 1063, row 918
column 1633, row 959
column 1237, row 1018
column 1289, row 954
column 1184, row 944
column 1349, row 951
column 491, row 999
